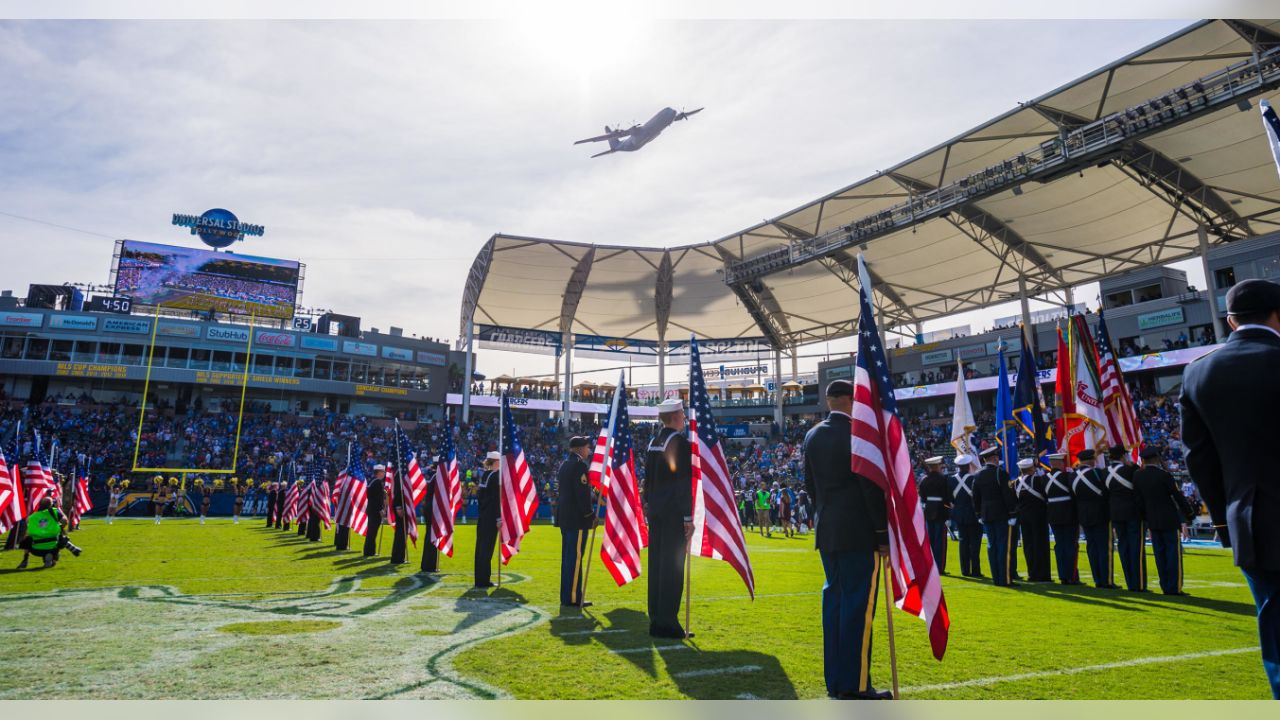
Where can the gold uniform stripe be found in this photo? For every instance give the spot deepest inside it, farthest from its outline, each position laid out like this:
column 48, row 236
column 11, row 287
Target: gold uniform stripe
column 865, row 665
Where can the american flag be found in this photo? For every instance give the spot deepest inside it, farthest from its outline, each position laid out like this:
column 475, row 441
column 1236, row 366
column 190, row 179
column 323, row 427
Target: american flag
column 613, row 473
column 38, row 478
column 358, row 496
column 879, row 453
column 291, row 509
column 388, row 492
column 83, row 503
column 320, row 500
column 717, row 533
column 446, row 500
column 413, row 485
column 519, row 495
column 1123, row 429
column 13, row 507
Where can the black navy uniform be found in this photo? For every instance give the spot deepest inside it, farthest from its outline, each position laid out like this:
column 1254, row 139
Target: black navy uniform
column 430, row 554
column 489, row 492
column 936, row 496
column 1164, row 509
column 574, row 517
column 1033, row 520
column 965, row 519
column 375, row 500
column 668, row 499
column 1065, row 523
column 1126, row 519
column 996, row 503
column 1090, row 490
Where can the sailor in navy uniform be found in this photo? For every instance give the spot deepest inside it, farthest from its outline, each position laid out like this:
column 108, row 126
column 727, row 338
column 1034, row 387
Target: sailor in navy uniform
column 935, row 495
column 1165, row 509
column 489, row 492
column 1126, row 519
column 575, row 516
column 1090, row 490
column 668, row 500
column 374, row 502
column 1229, row 401
column 964, row 518
column 996, row 503
column 1033, row 519
column 1063, row 519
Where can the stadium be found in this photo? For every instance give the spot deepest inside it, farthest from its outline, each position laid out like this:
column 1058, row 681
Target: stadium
column 211, row 382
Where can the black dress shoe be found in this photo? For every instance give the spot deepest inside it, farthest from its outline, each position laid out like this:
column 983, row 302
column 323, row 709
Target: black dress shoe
column 583, row 604
column 482, row 587
column 870, row 694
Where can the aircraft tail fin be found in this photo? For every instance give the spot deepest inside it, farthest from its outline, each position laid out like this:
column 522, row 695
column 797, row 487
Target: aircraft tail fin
column 613, row 141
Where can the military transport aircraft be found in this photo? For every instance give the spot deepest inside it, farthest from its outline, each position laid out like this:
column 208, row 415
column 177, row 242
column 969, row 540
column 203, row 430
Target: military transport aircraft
column 637, row 136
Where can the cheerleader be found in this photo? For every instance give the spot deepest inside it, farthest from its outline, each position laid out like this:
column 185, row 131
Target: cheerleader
column 159, row 495
column 206, row 493
column 239, row 488
column 115, row 493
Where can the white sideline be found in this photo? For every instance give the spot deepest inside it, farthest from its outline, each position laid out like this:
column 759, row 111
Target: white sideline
column 594, row 632
column 717, row 671
column 982, row 682
column 647, row 648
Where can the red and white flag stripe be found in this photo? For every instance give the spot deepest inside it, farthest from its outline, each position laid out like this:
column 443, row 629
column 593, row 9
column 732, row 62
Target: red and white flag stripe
column 445, row 503
column 83, row 503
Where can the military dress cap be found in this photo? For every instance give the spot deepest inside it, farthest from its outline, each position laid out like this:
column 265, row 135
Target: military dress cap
column 1056, row 456
column 493, row 455
column 839, row 388
column 578, row 441
column 1025, row 463
column 962, row 460
column 989, row 451
column 378, row 467
column 1149, row 452
column 1116, row 451
column 672, row 405
column 1085, row 454
column 935, row 460
column 1253, row 296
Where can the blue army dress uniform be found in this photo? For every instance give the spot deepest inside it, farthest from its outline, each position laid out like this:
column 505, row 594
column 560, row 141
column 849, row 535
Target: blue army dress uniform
column 1165, row 509
column 935, row 495
column 996, row 502
column 575, row 517
column 1126, row 519
column 668, row 499
column 1064, row 521
column 850, row 526
column 488, row 491
column 1033, row 519
column 964, row 518
column 1094, row 509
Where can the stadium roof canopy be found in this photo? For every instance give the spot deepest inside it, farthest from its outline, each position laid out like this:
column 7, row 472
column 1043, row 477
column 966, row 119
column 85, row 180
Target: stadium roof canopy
column 1116, row 170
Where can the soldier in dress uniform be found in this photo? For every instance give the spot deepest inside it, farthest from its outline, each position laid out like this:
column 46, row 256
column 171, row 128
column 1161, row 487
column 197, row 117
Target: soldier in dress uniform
column 668, row 499
column 1090, row 490
column 1126, row 519
column 375, row 500
column 1033, row 519
column 996, row 503
column 936, row 497
column 1165, row 509
column 273, row 488
column 852, row 536
column 1063, row 520
column 575, row 516
column 489, row 491
column 282, row 491
column 964, row 517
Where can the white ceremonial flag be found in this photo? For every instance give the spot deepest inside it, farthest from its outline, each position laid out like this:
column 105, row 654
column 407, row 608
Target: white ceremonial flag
column 962, row 424
column 1272, row 125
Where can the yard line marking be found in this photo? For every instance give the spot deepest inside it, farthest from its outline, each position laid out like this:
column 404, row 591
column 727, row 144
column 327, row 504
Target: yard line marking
column 982, row 682
column 745, row 696
column 593, row 632
column 647, row 648
column 717, row 671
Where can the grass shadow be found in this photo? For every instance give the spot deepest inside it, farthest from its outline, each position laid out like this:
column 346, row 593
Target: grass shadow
column 635, row 645
column 1188, row 604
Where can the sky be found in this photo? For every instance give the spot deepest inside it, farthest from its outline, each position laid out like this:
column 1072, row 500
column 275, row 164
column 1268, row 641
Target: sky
column 384, row 154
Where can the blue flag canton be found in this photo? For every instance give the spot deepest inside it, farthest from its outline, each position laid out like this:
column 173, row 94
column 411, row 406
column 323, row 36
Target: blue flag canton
column 699, row 400
column 450, row 452
column 622, row 442
column 356, row 468
column 510, row 429
column 405, row 446
column 1104, row 337
column 871, row 357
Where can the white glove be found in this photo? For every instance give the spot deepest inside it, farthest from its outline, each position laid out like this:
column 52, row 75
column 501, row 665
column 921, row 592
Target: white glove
column 1013, row 521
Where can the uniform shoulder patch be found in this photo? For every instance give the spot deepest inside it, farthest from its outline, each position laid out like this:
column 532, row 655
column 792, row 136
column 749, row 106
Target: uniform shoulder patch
column 584, row 479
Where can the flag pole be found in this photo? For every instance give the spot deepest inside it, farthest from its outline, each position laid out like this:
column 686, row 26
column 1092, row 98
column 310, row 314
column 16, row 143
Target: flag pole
column 888, row 603
column 688, row 585
column 591, row 548
column 502, row 410
column 595, row 506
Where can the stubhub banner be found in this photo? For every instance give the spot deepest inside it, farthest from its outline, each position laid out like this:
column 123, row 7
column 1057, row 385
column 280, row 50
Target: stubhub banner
column 227, row 334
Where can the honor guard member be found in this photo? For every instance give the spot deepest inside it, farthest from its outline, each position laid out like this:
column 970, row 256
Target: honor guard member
column 996, row 503
column 1090, row 490
column 375, row 500
column 342, row 531
column 1063, row 520
column 1165, row 509
column 936, row 496
column 964, row 517
column 430, row 555
column 668, row 499
column 1229, row 401
column 1033, row 519
column 1126, row 519
column 575, row 516
column 851, row 535
column 489, row 492
column 282, row 491
column 272, row 488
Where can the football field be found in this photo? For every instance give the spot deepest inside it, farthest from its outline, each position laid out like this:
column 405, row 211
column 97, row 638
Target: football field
column 185, row 611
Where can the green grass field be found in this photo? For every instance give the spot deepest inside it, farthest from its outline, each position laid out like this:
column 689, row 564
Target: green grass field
column 182, row 611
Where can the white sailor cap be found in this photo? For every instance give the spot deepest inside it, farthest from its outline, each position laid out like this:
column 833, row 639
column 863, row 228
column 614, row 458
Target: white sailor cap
column 989, row 451
column 493, row 455
column 935, row 460
column 1025, row 463
column 671, row 405
column 963, row 460
column 1056, row 456
column 378, row 467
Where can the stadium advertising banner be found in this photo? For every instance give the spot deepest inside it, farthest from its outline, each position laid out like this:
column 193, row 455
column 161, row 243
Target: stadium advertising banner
column 193, row 279
column 21, row 319
column 598, row 347
column 178, row 330
column 537, row 342
column 228, row 334
column 711, row 350
column 351, row 347
column 126, row 325
column 395, row 353
column 1011, row 345
column 319, row 343
column 1160, row 318
column 936, row 357
column 72, row 322
column 274, row 338
column 430, row 358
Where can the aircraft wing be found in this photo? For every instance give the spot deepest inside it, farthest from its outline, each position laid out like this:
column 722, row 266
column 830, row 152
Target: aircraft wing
column 611, row 135
column 606, row 152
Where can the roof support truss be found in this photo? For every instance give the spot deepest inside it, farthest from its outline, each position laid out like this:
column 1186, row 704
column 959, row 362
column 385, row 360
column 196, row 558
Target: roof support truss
column 573, row 289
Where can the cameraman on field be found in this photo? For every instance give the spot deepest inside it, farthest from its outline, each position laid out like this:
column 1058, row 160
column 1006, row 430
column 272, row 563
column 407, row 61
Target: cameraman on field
column 46, row 535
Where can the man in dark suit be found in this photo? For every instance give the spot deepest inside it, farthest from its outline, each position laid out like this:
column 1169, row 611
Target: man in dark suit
column 489, row 494
column 996, row 503
column 1229, row 400
column 668, row 501
column 575, row 516
column 1090, row 490
column 936, row 498
column 851, row 533
column 1063, row 520
column 1126, row 519
column 1033, row 519
column 1165, row 509
column 374, row 501
column 964, row 518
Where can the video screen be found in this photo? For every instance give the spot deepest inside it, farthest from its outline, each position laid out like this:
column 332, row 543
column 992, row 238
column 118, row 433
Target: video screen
column 193, row 279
